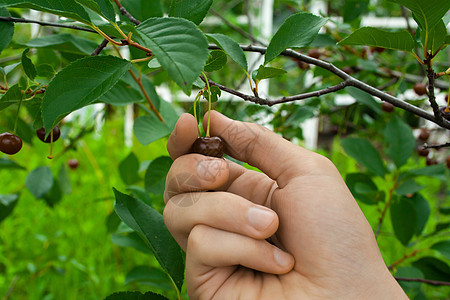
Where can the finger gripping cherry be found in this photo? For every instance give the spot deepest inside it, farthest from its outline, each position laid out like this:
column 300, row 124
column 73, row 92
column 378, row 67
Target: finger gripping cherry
column 41, row 134
column 209, row 146
column 10, row 143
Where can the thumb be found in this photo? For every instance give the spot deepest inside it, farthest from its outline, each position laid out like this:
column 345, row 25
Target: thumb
column 258, row 146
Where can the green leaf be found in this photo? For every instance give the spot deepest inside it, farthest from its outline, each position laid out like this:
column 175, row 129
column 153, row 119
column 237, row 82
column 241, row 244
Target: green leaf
column 180, row 47
column 155, row 177
column 364, row 153
column 12, row 96
column 400, row 140
column 152, row 276
column 364, row 98
column 140, row 193
column 436, row 37
column 409, row 186
column 193, row 10
column 215, row 93
column 217, row 59
column 135, row 296
column 266, row 72
column 112, row 222
column 149, row 128
column 231, row 47
column 427, row 12
column 436, row 171
column 101, row 7
column 150, row 225
column 65, row 8
column 6, row 30
column 433, row 268
column 353, row 9
column 132, row 240
column 423, row 211
column 370, row 36
column 6, row 163
column 5, row 70
column 64, row 42
column 443, row 247
column 28, row 66
column 404, row 219
column 128, row 169
column 7, row 204
column 64, row 180
column 39, row 181
column 143, row 9
column 363, row 188
column 301, row 114
column 55, row 194
column 298, row 31
column 94, row 76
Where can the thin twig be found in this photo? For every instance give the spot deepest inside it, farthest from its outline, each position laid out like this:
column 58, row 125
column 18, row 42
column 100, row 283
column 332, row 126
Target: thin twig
column 437, row 147
column 236, row 28
column 22, row 20
column 427, row 281
column 124, row 12
column 100, row 48
column 404, row 257
column 351, row 81
column 267, row 102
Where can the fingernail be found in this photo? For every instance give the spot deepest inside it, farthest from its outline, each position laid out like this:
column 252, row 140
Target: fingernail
column 283, row 259
column 209, row 169
column 260, row 218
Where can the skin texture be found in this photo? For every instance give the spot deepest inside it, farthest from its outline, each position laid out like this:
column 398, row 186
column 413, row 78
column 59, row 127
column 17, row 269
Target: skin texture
column 291, row 232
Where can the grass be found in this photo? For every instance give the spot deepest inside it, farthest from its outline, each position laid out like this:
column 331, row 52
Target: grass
column 66, row 252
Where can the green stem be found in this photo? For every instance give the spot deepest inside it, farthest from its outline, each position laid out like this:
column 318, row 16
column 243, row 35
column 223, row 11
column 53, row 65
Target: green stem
column 195, row 109
column 17, row 115
column 209, row 104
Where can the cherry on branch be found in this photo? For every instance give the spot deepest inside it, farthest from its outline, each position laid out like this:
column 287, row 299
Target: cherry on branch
column 10, row 143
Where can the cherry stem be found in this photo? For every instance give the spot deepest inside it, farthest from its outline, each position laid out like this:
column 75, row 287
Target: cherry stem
column 195, row 110
column 209, row 104
column 447, row 109
column 17, row 115
column 50, row 156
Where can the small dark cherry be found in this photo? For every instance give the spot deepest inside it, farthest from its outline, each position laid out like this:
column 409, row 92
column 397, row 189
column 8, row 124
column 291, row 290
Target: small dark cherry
column 10, row 143
column 447, row 161
column 41, row 134
column 387, row 107
column 424, row 135
column 420, row 88
column 423, row 151
column 73, row 163
column 209, row 146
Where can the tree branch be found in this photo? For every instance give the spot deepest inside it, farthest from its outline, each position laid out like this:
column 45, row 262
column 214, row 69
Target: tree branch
column 27, row 21
column 100, row 47
column 427, row 281
column 351, row 81
column 124, row 12
column 437, row 147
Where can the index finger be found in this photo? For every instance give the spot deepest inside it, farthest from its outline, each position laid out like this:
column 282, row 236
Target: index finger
column 280, row 159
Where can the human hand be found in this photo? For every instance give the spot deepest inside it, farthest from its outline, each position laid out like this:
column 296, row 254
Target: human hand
column 221, row 214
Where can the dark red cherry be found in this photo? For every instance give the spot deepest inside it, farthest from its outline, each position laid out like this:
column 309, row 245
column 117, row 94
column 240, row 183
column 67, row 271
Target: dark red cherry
column 424, row 135
column 420, row 88
column 210, row 146
column 41, row 134
column 73, row 163
column 387, row 107
column 423, row 151
column 10, row 143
